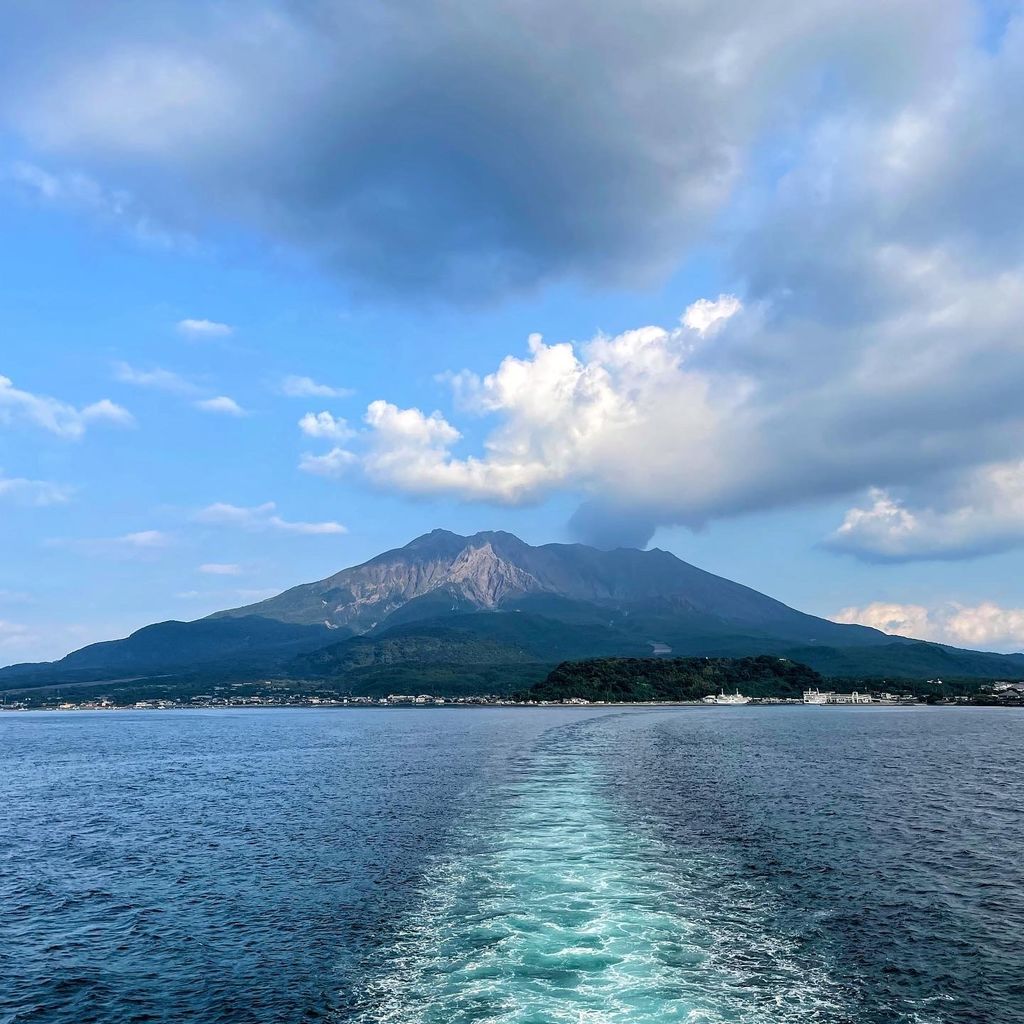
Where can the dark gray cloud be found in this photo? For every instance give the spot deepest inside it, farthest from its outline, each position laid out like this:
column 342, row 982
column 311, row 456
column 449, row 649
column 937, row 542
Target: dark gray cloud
column 450, row 148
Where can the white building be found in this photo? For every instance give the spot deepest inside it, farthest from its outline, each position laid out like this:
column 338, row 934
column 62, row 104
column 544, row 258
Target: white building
column 831, row 697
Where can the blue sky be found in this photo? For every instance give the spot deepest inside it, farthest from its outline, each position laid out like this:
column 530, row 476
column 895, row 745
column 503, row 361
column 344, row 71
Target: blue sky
column 786, row 250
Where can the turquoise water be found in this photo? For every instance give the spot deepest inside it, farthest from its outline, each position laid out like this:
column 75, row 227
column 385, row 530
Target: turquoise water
column 548, row 907
column 516, row 866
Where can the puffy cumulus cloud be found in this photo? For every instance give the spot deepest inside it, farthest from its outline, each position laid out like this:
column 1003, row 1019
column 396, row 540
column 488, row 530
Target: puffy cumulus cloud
column 985, row 626
column 591, row 417
column 913, row 620
column 979, row 512
column 410, row 451
column 325, row 426
column 199, row 329
column 53, row 415
column 305, row 387
column 450, row 146
column 220, row 404
column 261, row 517
column 33, row 492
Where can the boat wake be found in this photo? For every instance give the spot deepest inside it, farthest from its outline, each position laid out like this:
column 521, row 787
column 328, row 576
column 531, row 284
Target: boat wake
column 549, row 907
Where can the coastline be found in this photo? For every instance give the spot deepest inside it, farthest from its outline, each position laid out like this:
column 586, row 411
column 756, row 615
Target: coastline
column 510, row 705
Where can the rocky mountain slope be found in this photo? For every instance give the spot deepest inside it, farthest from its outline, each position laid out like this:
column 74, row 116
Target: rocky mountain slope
column 492, row 600
column 443, row 573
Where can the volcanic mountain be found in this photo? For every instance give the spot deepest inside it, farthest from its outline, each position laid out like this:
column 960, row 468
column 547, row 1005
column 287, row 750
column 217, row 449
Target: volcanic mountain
column 442, row 574
column 493, row 600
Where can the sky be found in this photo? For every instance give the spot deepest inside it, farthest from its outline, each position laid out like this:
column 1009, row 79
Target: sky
column 286, row 284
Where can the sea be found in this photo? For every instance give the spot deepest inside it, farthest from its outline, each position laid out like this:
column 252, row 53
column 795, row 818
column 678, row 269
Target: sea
column 517, row 865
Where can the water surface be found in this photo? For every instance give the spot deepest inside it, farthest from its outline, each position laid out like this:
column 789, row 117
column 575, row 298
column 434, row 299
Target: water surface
column 513, row 865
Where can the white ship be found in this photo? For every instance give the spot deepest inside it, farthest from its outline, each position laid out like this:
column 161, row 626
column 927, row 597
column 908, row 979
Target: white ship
column 727, row 698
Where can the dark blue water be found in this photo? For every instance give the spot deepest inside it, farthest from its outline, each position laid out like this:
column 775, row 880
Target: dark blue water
column 519, row 865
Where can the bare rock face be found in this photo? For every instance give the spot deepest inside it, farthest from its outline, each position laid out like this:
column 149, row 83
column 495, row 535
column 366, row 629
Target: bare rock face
column 483, row 578
column 442, row 573
column 464, row 572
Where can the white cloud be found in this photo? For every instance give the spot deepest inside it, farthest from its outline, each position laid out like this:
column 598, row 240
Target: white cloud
column 33, row 492
column 220, row 569
column 594, row 416
column 913, row 620
column 334, row 463
column 410, row 451
column 977, row 512
column 159, row 379
column 985, row 626
column 106, row 411
column 706, row 316
column 324, row 425
column 306, row 387
column 53, row 415
column 221, row 404
column 156, row 378
column 262, row 517
column 204, row 328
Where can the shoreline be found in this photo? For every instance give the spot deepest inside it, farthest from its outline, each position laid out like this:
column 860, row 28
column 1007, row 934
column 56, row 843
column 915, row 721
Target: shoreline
column 653, row 705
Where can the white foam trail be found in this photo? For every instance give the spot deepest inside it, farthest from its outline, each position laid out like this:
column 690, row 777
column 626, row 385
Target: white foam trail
column 549, row 910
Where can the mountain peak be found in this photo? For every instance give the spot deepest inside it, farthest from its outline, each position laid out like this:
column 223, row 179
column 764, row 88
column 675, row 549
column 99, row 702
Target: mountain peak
column 441, row 536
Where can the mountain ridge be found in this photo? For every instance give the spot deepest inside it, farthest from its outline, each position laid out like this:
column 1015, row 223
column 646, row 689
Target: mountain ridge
column 491, row 569
column 490, row 594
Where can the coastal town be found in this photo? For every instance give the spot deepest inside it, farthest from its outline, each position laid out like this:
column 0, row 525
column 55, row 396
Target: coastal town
column 1000, row 693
